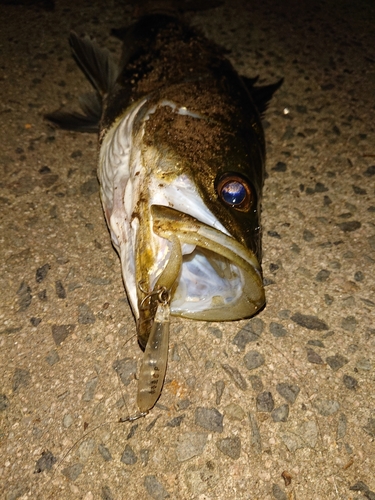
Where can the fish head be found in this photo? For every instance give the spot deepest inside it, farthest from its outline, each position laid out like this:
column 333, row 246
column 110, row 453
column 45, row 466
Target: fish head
column 184, row 213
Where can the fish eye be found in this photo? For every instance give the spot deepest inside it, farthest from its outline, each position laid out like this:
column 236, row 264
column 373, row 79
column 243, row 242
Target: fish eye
column 235, row 191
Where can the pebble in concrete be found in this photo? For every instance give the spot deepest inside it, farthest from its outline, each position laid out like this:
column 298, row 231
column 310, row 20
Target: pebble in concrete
column 341, row 426
column 370, row 427
column 336, row 362
column 249, row 333
column 89, row 187
column 255, row 438
column 288, row 391
column 350, row 382
column 132, row 431
column 359, row 486
column 85, row 315
column 304, row 436
column 129, row 457
column 106, row 493
column 280, row 414
column 154, row 488
column 279, row 167
column 105, row 453
column 349, row 226
column 313, row 357
column 364, row 364
column 326, row 407
column 94, row 280
column 278, row 493
column 73, row 471
column 316, row 342
column 230, row 446
column 41, row 273
column 90, row 389
column 277, row 330
column 253, row 359
column 85, row 449
column 308, row 235
column 24, row 297
column 126, row 369
column 4, row 402
column 151, row 425
column 349, row 324
column 61, row 332
column 216, row 332
column 256, row 383
column 45, row 462
column 236, row 376
column 60, row 290
column 265, row 402
column 21, row 378
column 322, row 275
column 35, row 321
column 190, row 444
column 234, row 412
column 310, row 322
column 176, row 421
column 52, row 357
column 42, row 295
column 219, row 387
column 184, row 404
column 209, row 418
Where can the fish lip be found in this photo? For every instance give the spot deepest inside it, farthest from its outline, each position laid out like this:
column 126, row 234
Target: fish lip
column 170, row 223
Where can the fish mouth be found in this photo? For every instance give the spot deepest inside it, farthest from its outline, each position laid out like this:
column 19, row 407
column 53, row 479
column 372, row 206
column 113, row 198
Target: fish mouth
column 209, row 275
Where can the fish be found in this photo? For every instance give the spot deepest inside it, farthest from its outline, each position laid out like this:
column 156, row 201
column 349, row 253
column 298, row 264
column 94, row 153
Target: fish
column 181, row 166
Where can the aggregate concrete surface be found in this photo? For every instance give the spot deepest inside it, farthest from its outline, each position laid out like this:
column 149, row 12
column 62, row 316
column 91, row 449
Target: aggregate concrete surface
column 280, row 406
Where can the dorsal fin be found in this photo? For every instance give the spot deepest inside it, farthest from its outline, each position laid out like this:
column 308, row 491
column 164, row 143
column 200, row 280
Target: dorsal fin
column 101, row 71
column 261, row 95
column 95, row 62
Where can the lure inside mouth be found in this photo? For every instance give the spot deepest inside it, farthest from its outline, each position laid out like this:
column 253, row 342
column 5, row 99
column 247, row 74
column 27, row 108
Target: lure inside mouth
column 207, row 275
column 219, row 279
column 210, row 275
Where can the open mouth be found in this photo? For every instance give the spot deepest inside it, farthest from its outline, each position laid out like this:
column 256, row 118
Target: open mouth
column 218, row 279
column 207, row 275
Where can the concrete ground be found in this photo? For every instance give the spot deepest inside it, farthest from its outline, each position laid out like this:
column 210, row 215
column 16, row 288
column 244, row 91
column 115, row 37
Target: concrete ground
column 278, row 407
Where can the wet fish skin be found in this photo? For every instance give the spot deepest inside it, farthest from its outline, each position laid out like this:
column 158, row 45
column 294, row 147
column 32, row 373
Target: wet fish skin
column 174, row 68
column 165, row 55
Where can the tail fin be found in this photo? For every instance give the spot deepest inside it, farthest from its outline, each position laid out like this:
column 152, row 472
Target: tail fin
column 101, row 71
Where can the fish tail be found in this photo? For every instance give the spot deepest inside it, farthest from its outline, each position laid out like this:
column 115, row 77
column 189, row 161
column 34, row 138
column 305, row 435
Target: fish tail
column 97, row 65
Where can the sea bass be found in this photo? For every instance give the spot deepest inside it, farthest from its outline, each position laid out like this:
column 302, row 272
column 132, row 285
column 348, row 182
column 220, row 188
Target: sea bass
column 181, row 169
